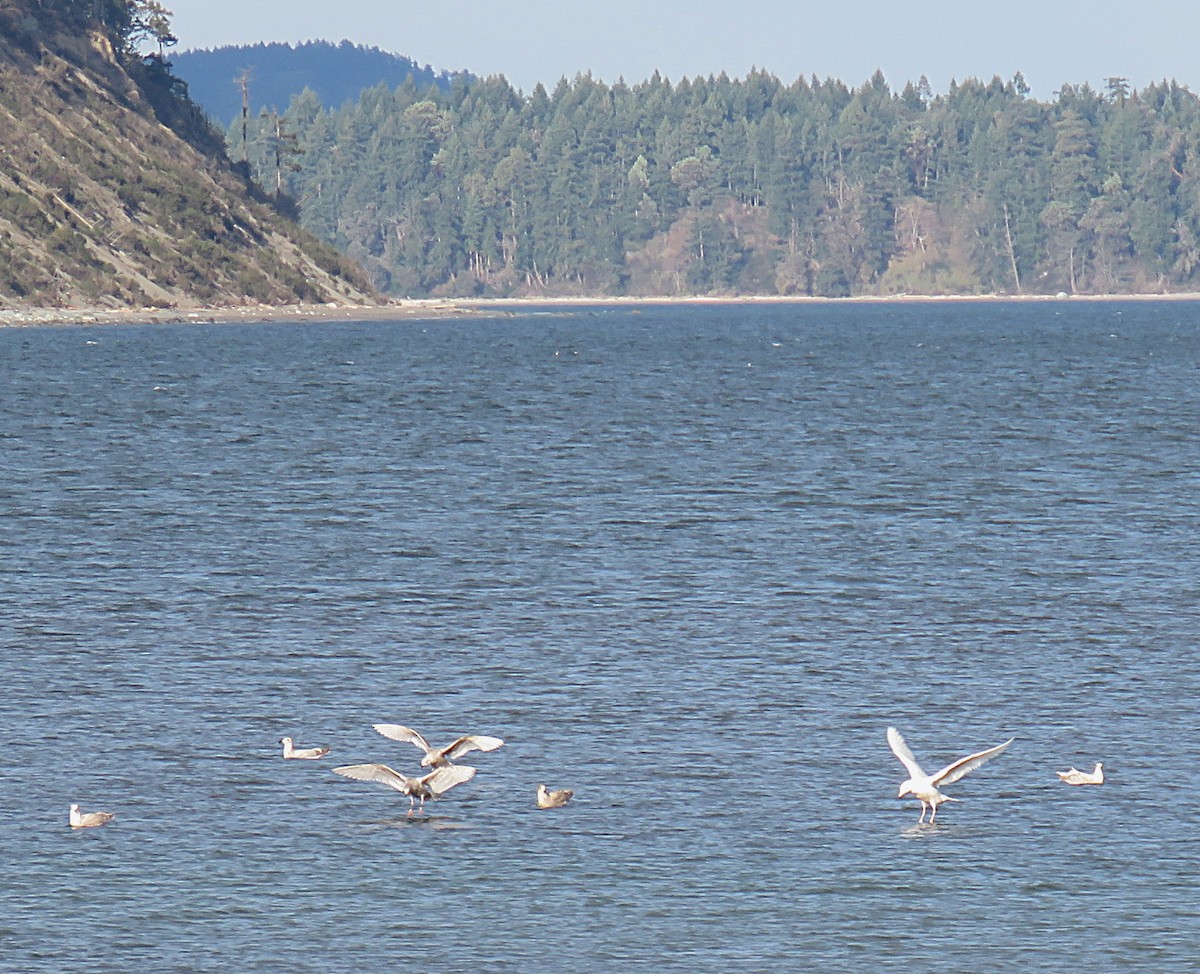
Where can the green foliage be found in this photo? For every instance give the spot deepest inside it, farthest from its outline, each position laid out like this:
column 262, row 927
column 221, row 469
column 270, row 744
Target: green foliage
column 126, row 22
column 655, row 188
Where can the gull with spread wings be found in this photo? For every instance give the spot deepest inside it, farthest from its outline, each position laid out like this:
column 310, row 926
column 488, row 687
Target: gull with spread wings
column 439, row 757
column 432, row 785
column 924, row 787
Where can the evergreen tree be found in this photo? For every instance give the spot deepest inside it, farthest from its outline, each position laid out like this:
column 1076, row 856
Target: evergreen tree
column 722, row 185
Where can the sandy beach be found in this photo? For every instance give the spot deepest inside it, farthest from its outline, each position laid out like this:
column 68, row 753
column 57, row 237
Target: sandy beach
column 18, row 317
column 460, row 307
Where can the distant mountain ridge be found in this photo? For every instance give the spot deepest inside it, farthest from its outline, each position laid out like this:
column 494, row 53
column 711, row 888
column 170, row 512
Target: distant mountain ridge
column 277, row 72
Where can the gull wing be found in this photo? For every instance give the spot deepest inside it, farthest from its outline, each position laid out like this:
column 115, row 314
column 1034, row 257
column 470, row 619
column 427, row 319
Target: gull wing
column 379, row 773
column 470, row 742
column 406, row 735
column 901, row 750
column 963, row 766
column 442, row 780
column 310, row 752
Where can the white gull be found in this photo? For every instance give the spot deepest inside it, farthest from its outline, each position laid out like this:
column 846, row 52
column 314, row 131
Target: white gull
column 924, row 787
column 293, row 753
column 432, row 785
column 438, row 757
column 1074, row 777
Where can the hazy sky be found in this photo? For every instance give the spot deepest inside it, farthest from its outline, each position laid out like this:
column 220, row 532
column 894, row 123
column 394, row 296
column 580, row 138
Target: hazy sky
column 1049, row 41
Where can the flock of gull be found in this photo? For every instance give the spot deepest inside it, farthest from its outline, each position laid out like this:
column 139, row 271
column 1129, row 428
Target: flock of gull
column 444, row 774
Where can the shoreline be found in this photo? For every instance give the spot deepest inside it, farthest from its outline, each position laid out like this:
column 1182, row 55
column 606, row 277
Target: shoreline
column 418, row 308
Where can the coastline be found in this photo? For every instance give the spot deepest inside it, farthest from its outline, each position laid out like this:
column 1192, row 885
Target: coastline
column 418, row 308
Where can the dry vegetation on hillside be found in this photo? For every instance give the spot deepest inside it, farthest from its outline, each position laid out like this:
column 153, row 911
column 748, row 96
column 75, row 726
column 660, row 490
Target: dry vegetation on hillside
column 102, row 204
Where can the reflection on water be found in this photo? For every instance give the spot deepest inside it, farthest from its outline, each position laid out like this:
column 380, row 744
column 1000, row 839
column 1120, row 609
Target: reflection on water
column 427, row 821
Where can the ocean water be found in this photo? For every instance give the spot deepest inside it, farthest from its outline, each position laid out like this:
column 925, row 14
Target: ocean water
column 691, row 562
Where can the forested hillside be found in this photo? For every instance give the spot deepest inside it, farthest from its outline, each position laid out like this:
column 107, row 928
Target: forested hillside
column 752, row 186
column 114, row 189
column 275, row 73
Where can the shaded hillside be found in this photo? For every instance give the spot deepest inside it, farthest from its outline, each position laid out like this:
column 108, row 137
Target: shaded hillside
column 277, row 72
column 752, row 186
column 104, row 203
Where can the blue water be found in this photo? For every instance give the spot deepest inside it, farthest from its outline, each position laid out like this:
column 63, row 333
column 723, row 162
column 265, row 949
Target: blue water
column 690, row 562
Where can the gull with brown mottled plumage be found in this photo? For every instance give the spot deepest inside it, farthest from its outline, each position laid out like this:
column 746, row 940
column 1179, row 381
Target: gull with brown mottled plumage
column 553, row 799
column 88, row 820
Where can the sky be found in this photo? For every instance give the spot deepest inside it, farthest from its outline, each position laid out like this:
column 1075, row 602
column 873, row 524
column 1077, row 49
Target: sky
column 1050, row 42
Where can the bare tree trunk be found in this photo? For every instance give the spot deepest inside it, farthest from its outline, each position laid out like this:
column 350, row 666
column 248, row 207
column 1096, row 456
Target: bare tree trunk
column 1012, row 255
column 244, row 80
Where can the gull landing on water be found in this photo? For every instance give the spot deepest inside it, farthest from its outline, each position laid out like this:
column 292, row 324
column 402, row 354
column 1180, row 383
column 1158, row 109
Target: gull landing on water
column 924, row 787
column 433, row 785
column 293, row 753
column 88, row 820
column 438, row 757
column 1074, row 777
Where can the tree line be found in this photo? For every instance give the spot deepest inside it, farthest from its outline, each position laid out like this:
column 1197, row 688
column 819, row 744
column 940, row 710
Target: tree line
column 718, row 185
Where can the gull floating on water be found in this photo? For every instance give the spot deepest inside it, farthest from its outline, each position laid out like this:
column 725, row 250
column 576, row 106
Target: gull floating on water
column 438, row 757
column 553, row 799
column 924, row 787
column 293, row 753
column 433, row 785
column 88, row 820
column 1074, row 777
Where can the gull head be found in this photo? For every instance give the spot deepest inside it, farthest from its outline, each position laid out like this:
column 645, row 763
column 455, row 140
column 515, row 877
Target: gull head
column 906, row 788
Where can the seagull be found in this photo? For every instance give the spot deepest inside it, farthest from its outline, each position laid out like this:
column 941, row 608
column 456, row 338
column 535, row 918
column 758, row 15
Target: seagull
column 293, row 753
column 439, row 757
column 1074, row 777
column 432, row 785
column 924, row 787
column 88, row 820
column 553, row 799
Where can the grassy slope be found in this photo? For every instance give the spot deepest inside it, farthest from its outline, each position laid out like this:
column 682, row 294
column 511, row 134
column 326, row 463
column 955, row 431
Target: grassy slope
column 103, row 205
